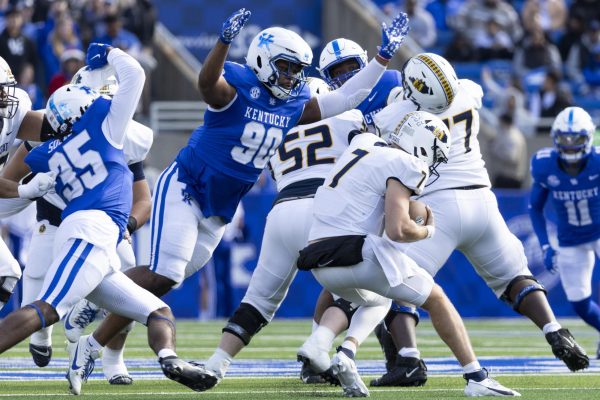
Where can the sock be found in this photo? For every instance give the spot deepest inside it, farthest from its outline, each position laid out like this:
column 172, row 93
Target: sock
column 164, row 353
column 472, row 367
column 350, row 346
column 43, row 337
column 113, row 363
column 323, row 337
column 551, row 327
column 219, row 362
column 589, row 311
column 364, row 320
column 315, row 325
column 409, row 352
column 94, row 343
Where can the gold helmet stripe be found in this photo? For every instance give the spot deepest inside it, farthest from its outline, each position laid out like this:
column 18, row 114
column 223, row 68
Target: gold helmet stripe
column 439, row 74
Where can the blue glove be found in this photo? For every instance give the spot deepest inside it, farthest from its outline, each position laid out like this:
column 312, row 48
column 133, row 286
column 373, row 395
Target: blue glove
column 549, row 258
column 97, row 55
column 392, row 37
column 233, row 25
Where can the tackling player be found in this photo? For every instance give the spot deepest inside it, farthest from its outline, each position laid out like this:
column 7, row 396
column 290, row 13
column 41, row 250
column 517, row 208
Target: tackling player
column 568, row 176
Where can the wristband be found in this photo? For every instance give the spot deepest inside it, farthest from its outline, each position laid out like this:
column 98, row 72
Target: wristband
column 131, row 225
column 430, row 231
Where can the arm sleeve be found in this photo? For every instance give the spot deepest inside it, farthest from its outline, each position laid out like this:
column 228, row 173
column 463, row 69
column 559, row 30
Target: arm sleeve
column 138, row 171
column 131, row 78
column 353, row 92
column 537, row 200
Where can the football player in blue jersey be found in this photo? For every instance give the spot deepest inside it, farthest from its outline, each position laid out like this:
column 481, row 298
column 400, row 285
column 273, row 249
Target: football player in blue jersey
column 341, row 59
column 568, row 177
column 251, row 108
column 95, row 183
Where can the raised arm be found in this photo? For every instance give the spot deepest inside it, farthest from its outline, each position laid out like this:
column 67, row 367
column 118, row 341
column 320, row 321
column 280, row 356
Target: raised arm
column 357, row 88
column 212, row 86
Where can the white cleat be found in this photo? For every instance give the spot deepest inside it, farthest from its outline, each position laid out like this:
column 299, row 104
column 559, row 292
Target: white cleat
column 81, row 315
column 81, row 363
column 345, row 369
column 486, row 387
column 311, row 355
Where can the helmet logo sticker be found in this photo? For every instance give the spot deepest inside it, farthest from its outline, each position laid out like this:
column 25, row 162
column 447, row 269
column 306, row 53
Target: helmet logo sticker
column 420, row 85
column 265, row 39
column 255, row 92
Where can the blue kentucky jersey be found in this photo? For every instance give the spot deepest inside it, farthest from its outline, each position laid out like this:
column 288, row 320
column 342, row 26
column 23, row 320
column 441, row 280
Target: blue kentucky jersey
column 91, row 173
column 236, row 142
column 576, row 199
column 377, row 99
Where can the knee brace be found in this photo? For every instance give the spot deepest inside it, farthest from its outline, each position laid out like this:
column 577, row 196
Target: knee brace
column 398, row 309
column 535, row 286
column 246, row 322
column 347, row 308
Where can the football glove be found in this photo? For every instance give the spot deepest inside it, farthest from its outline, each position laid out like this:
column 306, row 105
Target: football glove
column 233, row 25
column 37, row 187
column 392, row 37
column 97, row 55
column 549, row 258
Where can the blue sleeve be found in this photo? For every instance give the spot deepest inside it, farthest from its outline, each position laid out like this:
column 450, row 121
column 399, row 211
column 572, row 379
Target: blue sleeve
column 138, row 171
column 537, row 200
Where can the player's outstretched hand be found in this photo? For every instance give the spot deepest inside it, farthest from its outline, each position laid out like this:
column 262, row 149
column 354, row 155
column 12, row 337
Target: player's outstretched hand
column 37, row 187
column 97, row 55
column 233, row 25
column 393, row 36
column 550, row 258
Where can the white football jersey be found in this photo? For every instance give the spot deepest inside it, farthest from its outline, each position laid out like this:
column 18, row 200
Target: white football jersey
column 351, row 201
column 465, row 166
column 10, row 127
column 310, row 151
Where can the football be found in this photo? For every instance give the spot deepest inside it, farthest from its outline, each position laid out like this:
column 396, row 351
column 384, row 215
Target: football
column 417, row 212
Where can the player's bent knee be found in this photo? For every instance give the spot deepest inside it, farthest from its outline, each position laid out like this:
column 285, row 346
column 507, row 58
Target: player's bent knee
column 347, row 307
column 396, row 310
column 246, row 322
column 520, row 287
column 46, row 313
column 162, row 314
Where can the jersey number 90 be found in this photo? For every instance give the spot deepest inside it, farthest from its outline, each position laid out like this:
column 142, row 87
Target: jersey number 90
column 258, row 144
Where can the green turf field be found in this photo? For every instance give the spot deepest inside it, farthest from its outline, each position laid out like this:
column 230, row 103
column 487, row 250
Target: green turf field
column 280, row 340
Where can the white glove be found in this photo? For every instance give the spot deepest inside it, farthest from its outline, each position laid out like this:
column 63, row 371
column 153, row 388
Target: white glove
column 37, row 187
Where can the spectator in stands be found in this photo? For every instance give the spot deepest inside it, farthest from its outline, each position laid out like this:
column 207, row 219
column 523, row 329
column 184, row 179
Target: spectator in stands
column 508, row 153
column 140, row 19
column 61, row 38
column 118, row 37
column 575, row 29
column 583, row 62
column 26, row 81
column 587, row 10
column 460, row 49
column 550, row 15
column 71, row 61
column 91, row 19
column 494, row 43
column 30, row 29
column 536, row 53
column 422, row 24
column 475, row 14
column 551, row 99
column 507, row 100
column 16, row 48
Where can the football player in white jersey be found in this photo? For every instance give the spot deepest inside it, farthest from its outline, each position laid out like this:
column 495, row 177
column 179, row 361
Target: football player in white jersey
column 360, row 215
column 299, row 167
column 138, row 140
column 462, row 197
column 16, row 121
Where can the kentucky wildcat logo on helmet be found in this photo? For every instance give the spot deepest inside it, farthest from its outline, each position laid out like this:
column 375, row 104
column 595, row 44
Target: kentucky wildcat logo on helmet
column 572, row 133
column 277, row 52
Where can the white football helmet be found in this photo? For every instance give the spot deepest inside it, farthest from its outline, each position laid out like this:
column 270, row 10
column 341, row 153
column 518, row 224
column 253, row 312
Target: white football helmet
column 8, row 101
column 338, row 51
column 430, row 82
column 102, row 80
column 66, row 105
column 572, row 133
column 271, row 45
column 317, row 86
column 423, row 135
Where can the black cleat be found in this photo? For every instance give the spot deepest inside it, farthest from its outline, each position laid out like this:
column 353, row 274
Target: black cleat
column 309, row 376
column 408, row 371
column 41, row 354
column 120, row 379
column 194, row 376
column 566, row 348
column 387, row 345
